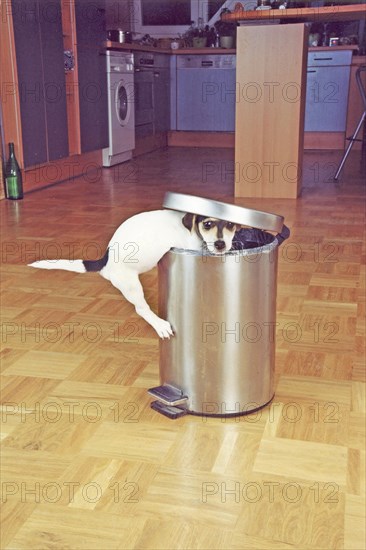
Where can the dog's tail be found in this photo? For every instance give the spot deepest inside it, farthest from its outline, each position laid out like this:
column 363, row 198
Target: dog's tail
column 78, row 266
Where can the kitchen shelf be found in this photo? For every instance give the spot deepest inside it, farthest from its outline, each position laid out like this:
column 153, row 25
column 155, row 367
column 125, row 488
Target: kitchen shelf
column 327, row 13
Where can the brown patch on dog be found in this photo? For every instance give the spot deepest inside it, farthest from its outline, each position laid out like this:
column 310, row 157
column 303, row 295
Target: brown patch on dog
column 189, row 221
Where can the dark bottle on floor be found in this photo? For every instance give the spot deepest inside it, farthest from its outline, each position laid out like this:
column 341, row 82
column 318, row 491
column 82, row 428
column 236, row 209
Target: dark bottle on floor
column 13, row 177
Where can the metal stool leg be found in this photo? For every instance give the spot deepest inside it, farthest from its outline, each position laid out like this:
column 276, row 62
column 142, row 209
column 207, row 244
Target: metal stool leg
column 359, row 126
column 363, row 151
column 352, row 140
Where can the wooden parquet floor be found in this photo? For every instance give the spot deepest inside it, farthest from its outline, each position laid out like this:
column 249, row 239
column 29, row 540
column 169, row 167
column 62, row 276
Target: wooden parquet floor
column 86, row 464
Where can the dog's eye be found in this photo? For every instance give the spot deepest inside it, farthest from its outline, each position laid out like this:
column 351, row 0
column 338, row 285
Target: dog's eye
column 207, row 225
column 230, row 226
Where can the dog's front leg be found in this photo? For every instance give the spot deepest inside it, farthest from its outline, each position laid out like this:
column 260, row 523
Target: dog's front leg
column 129, row 284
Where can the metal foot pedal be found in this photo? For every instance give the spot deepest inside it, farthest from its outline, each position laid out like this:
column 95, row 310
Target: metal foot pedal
column 168, row 410
column 169, row 395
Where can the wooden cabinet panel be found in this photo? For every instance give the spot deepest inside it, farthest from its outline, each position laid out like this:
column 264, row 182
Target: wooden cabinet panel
column 270, row 112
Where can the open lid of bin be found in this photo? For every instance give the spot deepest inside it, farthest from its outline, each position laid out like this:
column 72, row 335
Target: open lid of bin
column 223, row 211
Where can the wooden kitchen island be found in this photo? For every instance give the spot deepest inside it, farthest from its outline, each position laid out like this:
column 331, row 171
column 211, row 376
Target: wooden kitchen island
column 270, row 109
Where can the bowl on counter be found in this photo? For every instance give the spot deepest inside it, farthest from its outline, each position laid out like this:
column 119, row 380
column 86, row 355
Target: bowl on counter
column 199, row 41
column 227, row 42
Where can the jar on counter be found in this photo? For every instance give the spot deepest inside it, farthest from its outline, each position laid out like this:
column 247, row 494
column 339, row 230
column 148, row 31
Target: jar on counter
column 314, row 39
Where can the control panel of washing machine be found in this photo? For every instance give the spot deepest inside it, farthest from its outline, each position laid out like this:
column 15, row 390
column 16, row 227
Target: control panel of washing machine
column 146, row 61
column 119, row 62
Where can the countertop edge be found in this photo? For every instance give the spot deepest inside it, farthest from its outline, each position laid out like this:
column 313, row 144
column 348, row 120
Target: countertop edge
column 109, row 45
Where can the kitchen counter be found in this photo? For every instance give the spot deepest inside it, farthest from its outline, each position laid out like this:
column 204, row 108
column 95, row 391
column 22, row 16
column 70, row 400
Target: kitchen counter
column 109, row 45
column 332, row 48
column 181, row 51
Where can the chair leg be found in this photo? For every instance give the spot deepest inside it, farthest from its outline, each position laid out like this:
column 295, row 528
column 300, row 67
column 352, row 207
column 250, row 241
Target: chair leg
column 348, row 150
column 363, row 151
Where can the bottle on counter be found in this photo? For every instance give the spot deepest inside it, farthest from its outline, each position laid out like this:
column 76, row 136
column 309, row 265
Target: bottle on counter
column 13, row 177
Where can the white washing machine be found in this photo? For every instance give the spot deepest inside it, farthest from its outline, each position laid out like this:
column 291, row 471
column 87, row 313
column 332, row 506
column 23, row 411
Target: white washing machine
column 121, row 111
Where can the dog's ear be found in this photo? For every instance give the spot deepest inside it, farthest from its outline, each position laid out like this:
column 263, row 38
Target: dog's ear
column 188, row 221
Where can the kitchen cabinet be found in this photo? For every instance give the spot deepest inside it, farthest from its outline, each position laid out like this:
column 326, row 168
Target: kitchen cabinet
column 144, row 99
column 161, row 94
column 152, row 94
column 205, row 92
column 328, row 77
column 41, row 80
column 39, row 48
column 93, row 93
column 206, row 88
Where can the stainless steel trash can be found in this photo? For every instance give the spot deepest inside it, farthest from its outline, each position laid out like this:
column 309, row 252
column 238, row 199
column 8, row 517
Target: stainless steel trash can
column 223, row 311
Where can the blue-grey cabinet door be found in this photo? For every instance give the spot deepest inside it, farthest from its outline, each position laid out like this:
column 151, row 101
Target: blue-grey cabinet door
column 327, row 99
column 54, row 79
column 206, row 99
column 161, row 100
column 41, row 80
column 93, row 93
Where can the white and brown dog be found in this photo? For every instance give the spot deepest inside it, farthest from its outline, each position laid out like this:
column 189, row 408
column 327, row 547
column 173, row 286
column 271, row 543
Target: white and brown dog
column 137, row 246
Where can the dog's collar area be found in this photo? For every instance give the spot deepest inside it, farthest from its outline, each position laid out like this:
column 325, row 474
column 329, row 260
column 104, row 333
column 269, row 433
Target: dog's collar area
column 246, row 241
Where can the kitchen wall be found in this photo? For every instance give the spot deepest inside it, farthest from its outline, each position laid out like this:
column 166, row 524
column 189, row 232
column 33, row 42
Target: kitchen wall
column 119, row 14
column 199, row 8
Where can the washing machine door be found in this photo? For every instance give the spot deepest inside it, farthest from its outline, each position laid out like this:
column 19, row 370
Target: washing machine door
column 123, row 102
column 121, row 114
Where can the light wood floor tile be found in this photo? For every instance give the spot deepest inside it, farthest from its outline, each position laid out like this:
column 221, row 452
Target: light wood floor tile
column 13, row 516
column 302, row 460
column 354, row 526
column 305, row 517
column 65, row 529
column 45, row 365
column 131, row 441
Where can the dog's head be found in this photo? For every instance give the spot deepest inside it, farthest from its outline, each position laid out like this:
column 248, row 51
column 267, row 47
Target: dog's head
column 216, row 234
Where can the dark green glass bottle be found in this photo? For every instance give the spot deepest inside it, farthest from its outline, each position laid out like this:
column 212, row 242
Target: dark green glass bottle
column 13, row 177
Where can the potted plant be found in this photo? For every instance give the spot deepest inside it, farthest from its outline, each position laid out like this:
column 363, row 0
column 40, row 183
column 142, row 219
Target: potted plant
column 226, row 31
column 196, row 36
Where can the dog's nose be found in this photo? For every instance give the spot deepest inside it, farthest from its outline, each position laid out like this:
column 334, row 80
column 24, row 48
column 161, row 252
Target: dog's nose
column 220, row 245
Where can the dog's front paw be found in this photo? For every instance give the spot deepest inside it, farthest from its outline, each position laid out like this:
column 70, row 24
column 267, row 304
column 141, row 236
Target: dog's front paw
column 163, row 328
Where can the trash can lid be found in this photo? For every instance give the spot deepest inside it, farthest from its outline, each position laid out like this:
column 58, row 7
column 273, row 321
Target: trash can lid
column 223, row 211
